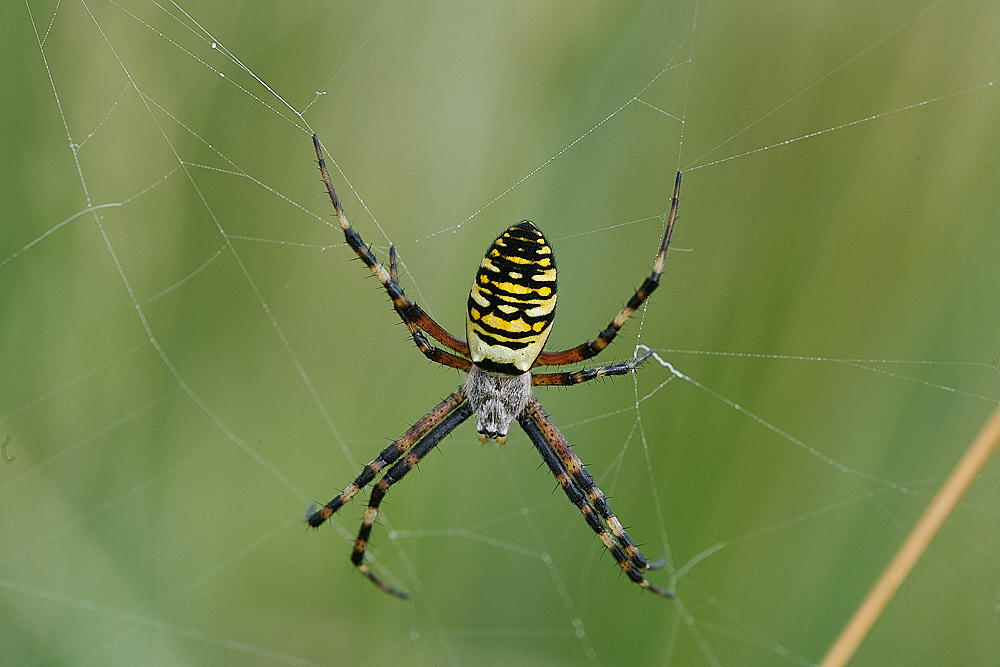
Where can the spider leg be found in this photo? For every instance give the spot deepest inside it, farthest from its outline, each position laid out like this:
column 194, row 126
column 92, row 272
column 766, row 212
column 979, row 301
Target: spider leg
column 583, row 480
column 587, row 374
column 413, row 316
column 396, row 473
column 594, row 347
column 388, row 456
column 583, row 492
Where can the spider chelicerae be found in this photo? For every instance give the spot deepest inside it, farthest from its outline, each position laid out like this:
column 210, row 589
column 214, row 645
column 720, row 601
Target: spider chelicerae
column 509, row 317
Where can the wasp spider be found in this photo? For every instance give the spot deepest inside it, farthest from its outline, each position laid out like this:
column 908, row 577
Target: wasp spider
column 510, row 314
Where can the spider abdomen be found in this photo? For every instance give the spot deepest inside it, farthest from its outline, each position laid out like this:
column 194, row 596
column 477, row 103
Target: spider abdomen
column 512, row 302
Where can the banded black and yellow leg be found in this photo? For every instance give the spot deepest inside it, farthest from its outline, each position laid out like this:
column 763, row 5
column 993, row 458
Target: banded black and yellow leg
column 594, row 347
column 396, row 473
column 584, row 481
column 388, row 456
column 590, row 502
column 587, row 374
column 415, row 319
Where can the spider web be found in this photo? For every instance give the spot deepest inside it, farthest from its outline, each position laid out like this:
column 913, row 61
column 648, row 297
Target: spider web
column 190, row 358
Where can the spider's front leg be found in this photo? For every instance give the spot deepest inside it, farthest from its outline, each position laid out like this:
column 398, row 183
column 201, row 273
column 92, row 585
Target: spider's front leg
column 396, row 473
column 388, row 456
column 583, row 492
column 412, row 446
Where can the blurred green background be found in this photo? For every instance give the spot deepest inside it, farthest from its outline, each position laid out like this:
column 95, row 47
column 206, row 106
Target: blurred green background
column 189, row 355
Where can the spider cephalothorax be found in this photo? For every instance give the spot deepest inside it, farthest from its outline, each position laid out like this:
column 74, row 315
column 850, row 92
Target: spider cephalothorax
column 510, row 313
column 496, row 401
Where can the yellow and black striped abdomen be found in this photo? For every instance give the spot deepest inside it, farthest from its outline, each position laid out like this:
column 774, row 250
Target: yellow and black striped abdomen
column 512, row 302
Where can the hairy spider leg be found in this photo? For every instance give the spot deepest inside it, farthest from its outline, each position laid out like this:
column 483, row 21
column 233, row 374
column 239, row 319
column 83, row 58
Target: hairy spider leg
column 583, row 492
column 588, row 374
column 388, row 456
column 396, row 473
column 413, row 316
column 594, row 347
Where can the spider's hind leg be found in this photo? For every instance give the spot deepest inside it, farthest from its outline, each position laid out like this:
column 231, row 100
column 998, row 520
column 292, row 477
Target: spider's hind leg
column 594, row 347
